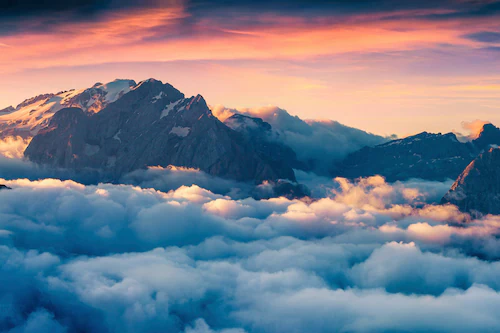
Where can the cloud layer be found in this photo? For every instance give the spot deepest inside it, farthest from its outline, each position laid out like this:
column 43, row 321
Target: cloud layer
column 368, row 256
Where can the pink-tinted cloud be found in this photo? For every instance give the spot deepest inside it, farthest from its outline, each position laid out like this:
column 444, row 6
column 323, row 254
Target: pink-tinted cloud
column 394, row 65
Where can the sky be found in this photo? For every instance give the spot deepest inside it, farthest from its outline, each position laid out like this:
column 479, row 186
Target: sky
column 384, row 66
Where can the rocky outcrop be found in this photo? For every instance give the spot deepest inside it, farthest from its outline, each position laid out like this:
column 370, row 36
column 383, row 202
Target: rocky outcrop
column 489, row 135
column 7, row 110
column 477, row 189
column 425, row 155
column 153, row 125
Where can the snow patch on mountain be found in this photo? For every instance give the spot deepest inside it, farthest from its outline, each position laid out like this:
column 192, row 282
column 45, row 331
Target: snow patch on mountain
column 180, row 131
column 116, row 89
column 91, row 149
column 169, row 108
column 117, row 136
column 158, row 97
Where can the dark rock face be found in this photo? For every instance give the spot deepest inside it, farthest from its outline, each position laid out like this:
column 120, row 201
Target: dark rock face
column 152, row 125
column 425, row 155
column 3, row 187
column 477, row 189
column 489, row 135
column 290, row 190
column 265, row 140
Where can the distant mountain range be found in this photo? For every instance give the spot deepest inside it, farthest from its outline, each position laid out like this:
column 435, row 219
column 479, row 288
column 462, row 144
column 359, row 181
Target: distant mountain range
column 425, row 156
column 123, row 126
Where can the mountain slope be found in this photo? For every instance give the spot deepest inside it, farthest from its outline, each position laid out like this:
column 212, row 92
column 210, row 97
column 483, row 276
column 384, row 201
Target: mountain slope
column 151, row 125
column 34, row 114
column 477, row 189
column 425, row 155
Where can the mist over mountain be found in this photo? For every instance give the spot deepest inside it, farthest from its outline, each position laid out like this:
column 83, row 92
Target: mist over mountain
column 318, row 144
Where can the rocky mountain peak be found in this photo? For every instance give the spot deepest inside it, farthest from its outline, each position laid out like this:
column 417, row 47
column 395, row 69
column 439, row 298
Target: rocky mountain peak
column 197, row 107
column 477, row 188
column 155, row 125
column 489, row 135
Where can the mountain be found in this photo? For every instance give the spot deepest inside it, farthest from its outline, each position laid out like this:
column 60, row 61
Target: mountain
column 488, row 136
column 477, row 189
column 266, row 140
column 154, row 124
column 318, row 144
column 7, row 110
column 425, row 155
column 34, row 114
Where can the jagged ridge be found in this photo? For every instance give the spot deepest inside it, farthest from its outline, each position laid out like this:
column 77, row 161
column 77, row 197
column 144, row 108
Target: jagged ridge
column 153, row 124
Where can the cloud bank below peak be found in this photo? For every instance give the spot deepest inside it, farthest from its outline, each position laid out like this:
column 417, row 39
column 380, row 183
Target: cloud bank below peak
column 127, row 259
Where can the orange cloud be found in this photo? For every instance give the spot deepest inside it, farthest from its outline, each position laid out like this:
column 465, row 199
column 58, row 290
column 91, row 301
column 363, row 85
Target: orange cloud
column 474, row 127
column 159, row 35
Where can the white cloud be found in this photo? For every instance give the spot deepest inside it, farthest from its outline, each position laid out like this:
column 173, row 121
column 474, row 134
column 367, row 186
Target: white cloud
column 13, row 147
column 369, row 256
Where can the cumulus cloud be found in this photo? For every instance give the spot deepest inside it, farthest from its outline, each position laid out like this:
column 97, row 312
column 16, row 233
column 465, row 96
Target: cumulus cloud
column 172, row 177
column 318, row 144
column 473, row 128
column 13, row 147
column 14, row 166
column 367, row 256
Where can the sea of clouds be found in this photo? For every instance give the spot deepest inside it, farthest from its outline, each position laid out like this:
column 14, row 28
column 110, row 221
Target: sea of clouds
column 175, row 250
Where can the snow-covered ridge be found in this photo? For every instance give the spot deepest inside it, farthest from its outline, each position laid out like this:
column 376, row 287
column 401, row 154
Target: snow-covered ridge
column 33, row 114
column 116, row 89
column 419, row 137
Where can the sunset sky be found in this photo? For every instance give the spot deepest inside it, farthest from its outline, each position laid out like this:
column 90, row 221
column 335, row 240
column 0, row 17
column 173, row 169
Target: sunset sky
column 383, row 66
